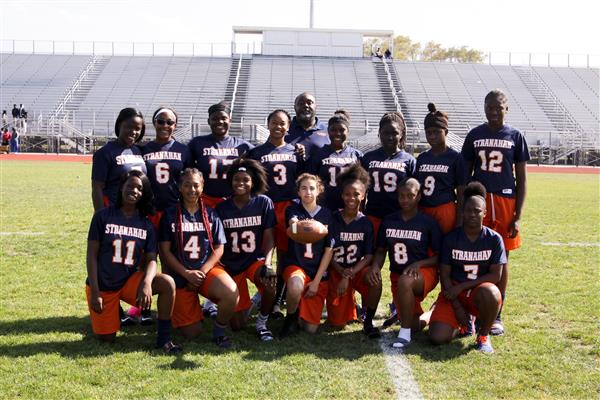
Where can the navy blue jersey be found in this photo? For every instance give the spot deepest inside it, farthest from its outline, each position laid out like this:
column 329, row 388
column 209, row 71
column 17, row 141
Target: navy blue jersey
column 316, row 136
column 408, row 241
column 439, row 176
column 308, row 256
column 493, row 155
column 327, row 163
column 283, row 166
column 353, row 241
column 123, row 242
column 386, row 173
column 213, row 157
column 244, row 231
column 189, row 243
column 111, row 162
column 470, row 260
column 165, row 163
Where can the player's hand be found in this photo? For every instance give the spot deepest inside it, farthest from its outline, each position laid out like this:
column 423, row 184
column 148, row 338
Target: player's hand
column 452, row 292
column 514, row 228
column 342, row 287
column 347, row 273
column 312, row 289
column 144, row 295
column 412, row 271
column 97, row 302
column 195, row 277
column 374, row 276
column 300, row 150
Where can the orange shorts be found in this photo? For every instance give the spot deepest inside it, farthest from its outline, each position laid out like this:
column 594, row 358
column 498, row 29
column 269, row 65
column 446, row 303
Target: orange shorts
column 500, row 213
column 240, row 280
column 444, row 312
column 155, row 219
column 444, row 214
column 212, row 202
column 108, row 321
column 187, row 310
column 342, row 309
column 311, row 308
column 281, row 237
column 430, row 278
column 376, row 222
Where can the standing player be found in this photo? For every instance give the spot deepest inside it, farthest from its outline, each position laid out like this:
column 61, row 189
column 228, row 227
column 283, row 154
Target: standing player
column 328, row 161
column 413, row 241
column 388, row 166
column 283, row 165
column 306, row 129
column 305, row 272
column 121, row 263
column 470, row 268
column 491, row 151
column 352, row 255
column 440, row 171
column 191, row 242
column 249, row 218
column 213, row 154
column 118, row 157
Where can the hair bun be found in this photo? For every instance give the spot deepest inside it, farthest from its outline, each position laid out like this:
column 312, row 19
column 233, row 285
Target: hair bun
column 431, row 107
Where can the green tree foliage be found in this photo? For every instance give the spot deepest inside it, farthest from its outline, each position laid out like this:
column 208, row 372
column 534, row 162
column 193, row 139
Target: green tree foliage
column 407, row 50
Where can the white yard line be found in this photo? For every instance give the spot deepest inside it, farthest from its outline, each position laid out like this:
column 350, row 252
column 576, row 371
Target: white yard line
column 571, row 244
column 399, row 368
column 22, row 233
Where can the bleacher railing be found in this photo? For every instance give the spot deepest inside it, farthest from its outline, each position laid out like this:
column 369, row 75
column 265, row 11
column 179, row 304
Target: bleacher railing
column 226, row 49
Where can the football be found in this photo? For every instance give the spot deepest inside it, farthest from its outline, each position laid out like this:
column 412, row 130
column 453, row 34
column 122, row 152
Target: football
column 307, row 231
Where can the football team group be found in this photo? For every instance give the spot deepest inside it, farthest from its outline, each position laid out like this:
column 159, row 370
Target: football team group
column 219, row 211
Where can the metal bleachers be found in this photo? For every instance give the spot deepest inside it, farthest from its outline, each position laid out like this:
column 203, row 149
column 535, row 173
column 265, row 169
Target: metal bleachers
column 38, row 81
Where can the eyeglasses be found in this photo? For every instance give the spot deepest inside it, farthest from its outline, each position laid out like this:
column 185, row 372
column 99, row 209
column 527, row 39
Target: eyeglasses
column 164, row 122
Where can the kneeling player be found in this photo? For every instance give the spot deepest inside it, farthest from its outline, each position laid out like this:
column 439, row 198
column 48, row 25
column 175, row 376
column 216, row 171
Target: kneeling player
column 305, row 272
column 249, row 218
column 409, row 237
column 121, row 263
column 470, row 269
column 191, row 244
column 353, row 254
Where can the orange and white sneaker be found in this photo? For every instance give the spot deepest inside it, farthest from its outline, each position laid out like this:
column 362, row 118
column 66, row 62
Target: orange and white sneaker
column 484, row 344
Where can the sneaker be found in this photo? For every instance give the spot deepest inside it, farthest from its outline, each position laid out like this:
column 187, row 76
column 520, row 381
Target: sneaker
column 264, row 334
column 466, row 331
column 371, row 332
column 210, row 309
column 393, row 318
column 290, row 326
column 171, row 348
column 484, row 344
column 497, row 328
column 360, row 313
column 276, row 313
column 400, row 343
column 223, row 342
column 146, row 318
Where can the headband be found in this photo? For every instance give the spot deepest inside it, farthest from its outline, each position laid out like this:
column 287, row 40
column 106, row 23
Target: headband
column 162, row 110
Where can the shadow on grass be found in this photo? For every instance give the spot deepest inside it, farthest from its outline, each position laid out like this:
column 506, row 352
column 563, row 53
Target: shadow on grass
column 348, row 344
column 423, row 348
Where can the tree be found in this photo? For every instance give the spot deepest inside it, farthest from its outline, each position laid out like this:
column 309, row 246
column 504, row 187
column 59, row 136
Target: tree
column 405, row 49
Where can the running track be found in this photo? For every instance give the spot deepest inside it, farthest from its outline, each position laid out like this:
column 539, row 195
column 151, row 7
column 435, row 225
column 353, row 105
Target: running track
column 87, row 159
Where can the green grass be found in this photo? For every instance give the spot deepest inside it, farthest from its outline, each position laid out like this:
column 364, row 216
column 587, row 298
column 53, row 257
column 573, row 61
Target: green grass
column 46, row 349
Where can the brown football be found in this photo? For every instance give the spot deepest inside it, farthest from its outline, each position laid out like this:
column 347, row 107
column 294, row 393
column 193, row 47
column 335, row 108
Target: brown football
column 307, row 231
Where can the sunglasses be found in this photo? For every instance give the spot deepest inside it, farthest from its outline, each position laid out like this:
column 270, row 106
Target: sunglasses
column 164, row 122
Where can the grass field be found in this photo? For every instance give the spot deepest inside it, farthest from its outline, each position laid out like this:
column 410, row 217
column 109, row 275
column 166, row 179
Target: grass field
column 552, row 349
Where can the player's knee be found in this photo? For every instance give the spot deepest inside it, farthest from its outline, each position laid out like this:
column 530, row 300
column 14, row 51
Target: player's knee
column 238, row 322
column 488, row 293
column 191, row 331
column 107, row 338
column 295, row 286
column 164, row 284
column 404, row 282
column 310, row 328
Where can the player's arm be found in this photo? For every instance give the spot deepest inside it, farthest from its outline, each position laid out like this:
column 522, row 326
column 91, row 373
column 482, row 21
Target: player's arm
column 521, row 178
column 374, row 275
column 447, row 285
column 98, row 195
column 214, row 258
column 268, row 245
column 493, row 276
column 313, row 286
column 144, row 294
column 93, row 248
column 362, row 263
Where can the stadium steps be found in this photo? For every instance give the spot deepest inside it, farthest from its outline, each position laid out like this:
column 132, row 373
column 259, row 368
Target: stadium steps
column 239, row 76
column 411, row 122
column 80, row 88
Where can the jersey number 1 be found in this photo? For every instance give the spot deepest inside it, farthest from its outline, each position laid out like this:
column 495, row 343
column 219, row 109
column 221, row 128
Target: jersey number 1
column 118, row 252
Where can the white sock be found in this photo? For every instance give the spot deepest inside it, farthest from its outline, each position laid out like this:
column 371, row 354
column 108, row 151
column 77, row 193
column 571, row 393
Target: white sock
column 404, row 333
column 261, row 321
